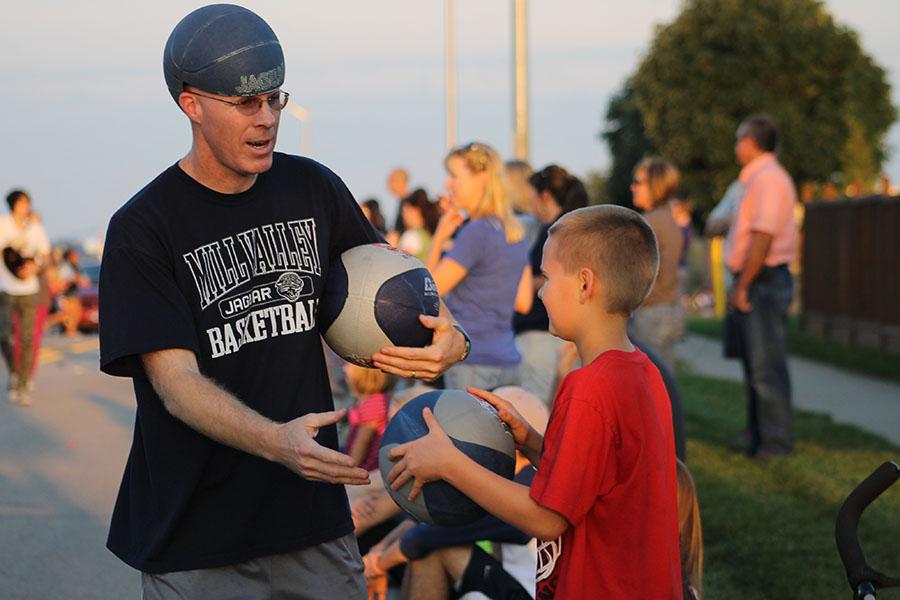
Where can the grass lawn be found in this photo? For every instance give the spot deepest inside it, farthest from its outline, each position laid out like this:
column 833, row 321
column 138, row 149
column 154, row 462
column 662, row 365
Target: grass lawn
column 858, row 360
column 768, row 528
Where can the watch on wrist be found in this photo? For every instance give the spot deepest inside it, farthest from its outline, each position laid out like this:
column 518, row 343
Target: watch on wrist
column 465, row 335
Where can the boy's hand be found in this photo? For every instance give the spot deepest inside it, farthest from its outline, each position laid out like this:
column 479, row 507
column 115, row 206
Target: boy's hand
column 518, row 427
column 376, row 577
column 423, row 459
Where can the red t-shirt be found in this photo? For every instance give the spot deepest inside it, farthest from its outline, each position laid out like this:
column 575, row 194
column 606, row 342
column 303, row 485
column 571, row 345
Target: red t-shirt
column 608, row 467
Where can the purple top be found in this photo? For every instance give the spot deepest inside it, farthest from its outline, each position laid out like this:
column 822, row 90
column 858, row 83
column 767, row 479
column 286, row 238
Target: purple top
column 483, row 301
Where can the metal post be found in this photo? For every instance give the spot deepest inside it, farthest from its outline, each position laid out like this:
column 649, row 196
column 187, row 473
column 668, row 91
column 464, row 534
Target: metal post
column 520, row 77
column 450, row 72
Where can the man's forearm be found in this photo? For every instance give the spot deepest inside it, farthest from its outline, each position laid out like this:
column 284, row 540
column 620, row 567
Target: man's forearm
column 756, row 258
column 204, row 406
column 443, row 311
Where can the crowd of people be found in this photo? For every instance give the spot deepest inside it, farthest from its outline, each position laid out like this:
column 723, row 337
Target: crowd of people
column 39, row 287
column 524, row 360
column 484, row 240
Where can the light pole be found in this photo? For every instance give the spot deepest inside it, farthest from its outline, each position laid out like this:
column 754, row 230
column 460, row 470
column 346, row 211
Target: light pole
column 520, row 77
column 302, row 115
column 450, row 73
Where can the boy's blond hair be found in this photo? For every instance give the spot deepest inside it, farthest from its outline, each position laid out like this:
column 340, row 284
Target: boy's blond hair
column 615, row 243
column 365, row 382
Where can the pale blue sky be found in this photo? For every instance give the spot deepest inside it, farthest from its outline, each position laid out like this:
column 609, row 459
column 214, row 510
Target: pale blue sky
column 88, row 120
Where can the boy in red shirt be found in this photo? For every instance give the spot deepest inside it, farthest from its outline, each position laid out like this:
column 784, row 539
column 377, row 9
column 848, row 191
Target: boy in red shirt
column 603, row 500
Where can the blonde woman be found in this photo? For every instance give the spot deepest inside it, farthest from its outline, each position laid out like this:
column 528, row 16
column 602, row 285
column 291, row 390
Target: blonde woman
column 659, row 322
column 485, row 276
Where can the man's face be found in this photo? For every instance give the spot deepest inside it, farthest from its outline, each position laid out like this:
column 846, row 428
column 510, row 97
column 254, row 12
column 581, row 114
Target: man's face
column 745, row 148
column 398, row 184
column 240, row 141
column 22, row 208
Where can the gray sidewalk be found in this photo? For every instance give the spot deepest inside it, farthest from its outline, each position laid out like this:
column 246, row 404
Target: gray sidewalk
column 869, row 403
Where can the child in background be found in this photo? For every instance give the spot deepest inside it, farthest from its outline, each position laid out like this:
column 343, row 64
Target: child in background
column 690, row 535
column 604, row 499
column 420, row 217
column 368, row 419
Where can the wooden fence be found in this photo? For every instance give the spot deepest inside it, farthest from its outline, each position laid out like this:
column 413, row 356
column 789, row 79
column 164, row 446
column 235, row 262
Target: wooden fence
column 851, row 272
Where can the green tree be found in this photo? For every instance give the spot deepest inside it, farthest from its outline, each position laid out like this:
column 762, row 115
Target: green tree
column 624, row 134
column 597, row 184
column 721, row 60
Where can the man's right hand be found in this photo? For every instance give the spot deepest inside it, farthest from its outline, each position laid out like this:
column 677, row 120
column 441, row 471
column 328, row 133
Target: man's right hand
column 299, row 451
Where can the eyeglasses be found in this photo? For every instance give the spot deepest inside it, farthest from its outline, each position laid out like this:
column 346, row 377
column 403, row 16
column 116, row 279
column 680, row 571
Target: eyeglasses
column 250, row 106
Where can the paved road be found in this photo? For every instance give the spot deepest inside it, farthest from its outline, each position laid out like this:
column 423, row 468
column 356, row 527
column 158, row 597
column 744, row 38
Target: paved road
column 869, row 403
column 60, row 464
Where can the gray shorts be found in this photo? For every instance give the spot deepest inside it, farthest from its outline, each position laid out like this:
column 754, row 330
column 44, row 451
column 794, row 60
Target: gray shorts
column 330, row 570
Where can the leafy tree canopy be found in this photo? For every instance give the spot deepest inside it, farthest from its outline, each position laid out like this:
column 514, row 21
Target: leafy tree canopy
column 722, row 60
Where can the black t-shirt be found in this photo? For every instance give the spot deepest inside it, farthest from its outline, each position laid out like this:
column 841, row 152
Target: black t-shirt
column 236, row 279
column 536, row 319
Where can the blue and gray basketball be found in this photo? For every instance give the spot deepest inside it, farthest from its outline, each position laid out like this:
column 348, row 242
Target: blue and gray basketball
column 474, row 427
column 373, row 297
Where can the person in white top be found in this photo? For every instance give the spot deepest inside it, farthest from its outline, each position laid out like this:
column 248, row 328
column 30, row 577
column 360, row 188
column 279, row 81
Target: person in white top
column 25, row 246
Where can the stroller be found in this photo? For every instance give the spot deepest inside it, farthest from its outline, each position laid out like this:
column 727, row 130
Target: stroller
column 863, row 579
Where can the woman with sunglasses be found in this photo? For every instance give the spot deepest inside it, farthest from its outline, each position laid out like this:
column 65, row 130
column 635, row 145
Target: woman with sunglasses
column 485, row 276
column 659, row 321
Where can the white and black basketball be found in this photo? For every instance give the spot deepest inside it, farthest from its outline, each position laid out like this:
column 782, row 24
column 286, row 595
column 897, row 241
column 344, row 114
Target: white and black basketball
column 373, row 297
column 474, row 427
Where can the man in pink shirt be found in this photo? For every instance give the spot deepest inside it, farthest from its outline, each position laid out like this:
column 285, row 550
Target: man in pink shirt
column 760, row 244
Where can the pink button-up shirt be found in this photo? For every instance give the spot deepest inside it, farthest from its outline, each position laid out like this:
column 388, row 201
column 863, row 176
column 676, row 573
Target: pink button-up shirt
column 767, row 207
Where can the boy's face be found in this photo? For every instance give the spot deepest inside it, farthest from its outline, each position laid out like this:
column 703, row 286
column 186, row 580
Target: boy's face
column 560, row 293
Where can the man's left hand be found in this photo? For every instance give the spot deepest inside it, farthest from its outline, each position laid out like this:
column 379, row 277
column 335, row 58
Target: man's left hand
column 447, row 347
column 738, row 298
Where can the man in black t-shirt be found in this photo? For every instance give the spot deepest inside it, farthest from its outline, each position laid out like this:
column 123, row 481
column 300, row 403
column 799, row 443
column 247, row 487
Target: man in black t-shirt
column 209, row 287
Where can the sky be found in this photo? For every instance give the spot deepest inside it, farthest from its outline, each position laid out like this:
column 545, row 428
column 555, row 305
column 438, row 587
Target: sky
column 88, row 120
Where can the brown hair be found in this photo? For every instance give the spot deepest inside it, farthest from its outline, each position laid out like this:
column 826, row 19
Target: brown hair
column 662, row 179
column 495, row 200
column 365, row 382
column 690, row 532
column 763, row 129
column 614, row 242
column 517, row 174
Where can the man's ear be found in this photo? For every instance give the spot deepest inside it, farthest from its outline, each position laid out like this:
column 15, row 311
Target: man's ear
column 588, row 284
column 190, row 106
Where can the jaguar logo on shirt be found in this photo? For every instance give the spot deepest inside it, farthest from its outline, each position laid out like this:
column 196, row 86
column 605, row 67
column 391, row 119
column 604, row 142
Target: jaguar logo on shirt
column 290, row 286
column 261, row 281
